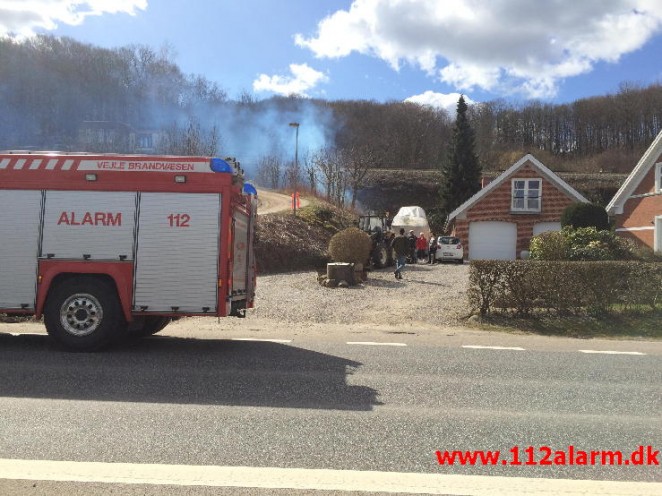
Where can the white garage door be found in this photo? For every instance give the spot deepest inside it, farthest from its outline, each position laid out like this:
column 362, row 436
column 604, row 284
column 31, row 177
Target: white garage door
column 542, row 227
column 492, row 240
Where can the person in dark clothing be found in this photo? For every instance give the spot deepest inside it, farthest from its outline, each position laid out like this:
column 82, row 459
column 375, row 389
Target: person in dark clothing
column 400, row 246
column 412, row 246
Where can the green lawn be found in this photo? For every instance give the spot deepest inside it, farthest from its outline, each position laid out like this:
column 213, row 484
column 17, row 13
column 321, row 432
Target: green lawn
column 645, row 323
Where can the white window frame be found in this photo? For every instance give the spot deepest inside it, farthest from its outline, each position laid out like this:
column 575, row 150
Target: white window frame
column 658, row 177
column 526, row 208
column 657, row 235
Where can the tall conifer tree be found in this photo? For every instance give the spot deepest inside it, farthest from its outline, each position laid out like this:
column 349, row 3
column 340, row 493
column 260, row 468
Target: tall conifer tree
column 461, row 171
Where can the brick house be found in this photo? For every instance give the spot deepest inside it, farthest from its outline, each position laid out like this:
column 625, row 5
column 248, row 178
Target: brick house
column 499, row 221
column 637, row 205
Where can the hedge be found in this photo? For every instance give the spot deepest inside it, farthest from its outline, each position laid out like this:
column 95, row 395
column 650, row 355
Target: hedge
column 562, row 286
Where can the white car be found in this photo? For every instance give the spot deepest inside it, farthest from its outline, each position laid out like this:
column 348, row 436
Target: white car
column 449, row 248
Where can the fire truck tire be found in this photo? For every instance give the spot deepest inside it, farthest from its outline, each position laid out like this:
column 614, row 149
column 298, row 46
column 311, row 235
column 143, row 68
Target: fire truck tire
column 84, row 313
column 151, row 325
column 380, row 257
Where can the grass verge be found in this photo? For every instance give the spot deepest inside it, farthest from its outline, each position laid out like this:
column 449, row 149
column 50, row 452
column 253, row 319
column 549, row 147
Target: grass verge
column 644, row 324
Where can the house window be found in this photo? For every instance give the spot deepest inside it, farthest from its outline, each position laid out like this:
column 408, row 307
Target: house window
column 526, row 194
column 658, row 177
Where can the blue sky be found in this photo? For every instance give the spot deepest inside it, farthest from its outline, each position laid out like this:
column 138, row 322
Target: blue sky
column 424, row 50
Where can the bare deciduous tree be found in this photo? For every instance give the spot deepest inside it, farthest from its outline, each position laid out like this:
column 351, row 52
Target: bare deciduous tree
column 190, row 141
column 270, row 172
column 331, row 166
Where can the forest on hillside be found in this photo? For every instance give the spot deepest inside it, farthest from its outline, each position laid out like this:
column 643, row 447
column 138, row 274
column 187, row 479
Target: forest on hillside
column 57, row 93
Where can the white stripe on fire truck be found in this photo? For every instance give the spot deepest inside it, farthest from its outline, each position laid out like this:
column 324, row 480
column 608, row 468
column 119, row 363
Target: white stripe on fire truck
column 4, row 163
column 67, row 164
column 19, row 164
column 51, row 164
column 35, row 164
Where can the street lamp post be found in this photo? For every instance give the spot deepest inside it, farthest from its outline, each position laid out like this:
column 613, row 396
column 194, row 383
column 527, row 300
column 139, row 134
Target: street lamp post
column 296, row 166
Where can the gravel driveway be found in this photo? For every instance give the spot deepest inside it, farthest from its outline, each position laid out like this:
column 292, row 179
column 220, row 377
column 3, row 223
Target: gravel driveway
column 428, row 294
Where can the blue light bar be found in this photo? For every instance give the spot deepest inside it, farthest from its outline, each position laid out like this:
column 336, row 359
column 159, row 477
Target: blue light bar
column 249, row 189
column 219, row 165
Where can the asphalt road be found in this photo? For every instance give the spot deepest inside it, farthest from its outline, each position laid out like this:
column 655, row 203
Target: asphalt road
column 318, row 402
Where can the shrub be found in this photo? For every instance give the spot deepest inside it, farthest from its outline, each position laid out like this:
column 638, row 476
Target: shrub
column 639, row 251
column 588, row 243
column 322, row 213
column 584, row 243
column 579, row 215
column 350, row 245
column 484, row 284
column 594, row 287
column 551, row 245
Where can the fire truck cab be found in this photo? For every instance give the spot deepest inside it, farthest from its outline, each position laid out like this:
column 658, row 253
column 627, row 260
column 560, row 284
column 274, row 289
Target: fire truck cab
column 103, row 245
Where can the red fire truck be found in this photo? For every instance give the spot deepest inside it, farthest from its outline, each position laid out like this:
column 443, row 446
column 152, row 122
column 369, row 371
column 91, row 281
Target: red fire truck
column 102, row 245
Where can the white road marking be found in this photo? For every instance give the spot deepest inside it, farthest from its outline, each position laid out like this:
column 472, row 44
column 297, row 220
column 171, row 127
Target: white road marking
column 606, row 352
column 312, row 479
column 481, row 347
column 375, row 343
column 263, row 340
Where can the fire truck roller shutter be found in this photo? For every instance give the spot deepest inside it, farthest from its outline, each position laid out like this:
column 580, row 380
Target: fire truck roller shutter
column 20, row 213
column 95, row 225
column 240, row 254
column 178, row 249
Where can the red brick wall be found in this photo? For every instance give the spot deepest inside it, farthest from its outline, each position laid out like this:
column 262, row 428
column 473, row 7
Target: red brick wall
column 641, row 212
column 496, row 207
column 647, row 184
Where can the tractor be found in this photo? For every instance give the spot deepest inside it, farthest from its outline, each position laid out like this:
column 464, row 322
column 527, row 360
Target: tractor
column 379, row 229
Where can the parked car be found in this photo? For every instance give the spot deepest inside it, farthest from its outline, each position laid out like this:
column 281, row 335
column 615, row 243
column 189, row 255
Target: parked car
column 449, row 248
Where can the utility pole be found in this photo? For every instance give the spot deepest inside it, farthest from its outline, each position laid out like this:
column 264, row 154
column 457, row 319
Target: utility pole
column 296, row 166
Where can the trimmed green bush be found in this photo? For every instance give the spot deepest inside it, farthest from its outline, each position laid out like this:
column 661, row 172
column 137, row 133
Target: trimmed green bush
column 350, row 245
column 579, row 215
column 589, row 243
column 485, row 284
column 563, row 286
column 550, row 245
column 585, row 243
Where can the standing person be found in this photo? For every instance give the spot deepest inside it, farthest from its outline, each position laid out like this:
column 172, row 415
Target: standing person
column 412, row 246
column 432, row 250
column 421, row 246
column 400, row 246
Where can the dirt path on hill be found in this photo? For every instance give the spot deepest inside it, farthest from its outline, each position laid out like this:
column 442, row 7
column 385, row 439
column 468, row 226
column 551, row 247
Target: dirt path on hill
column 270, row 202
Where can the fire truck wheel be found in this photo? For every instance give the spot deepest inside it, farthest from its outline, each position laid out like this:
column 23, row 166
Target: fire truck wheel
column 151, row 325
column 380, row 257
column 84, row 313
